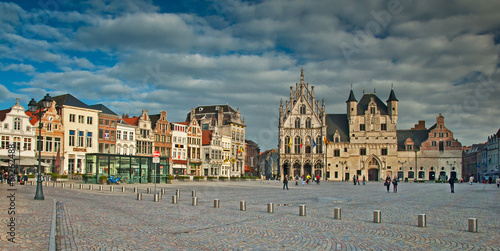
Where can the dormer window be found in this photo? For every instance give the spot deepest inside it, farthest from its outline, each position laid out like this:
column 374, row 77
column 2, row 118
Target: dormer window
column 372, row 110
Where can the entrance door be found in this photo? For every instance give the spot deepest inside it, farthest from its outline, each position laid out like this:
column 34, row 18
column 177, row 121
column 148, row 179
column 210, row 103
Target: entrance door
column 373, row 174
column 296, row 169
column 347, row 178
column 432, row 175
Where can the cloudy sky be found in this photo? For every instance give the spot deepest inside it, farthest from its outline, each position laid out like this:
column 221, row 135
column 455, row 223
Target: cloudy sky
column 440, row 57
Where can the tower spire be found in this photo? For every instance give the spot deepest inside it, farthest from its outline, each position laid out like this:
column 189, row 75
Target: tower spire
column 301, row 76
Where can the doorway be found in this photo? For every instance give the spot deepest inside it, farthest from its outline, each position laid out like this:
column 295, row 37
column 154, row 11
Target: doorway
column 307, row 169
column 373, row 174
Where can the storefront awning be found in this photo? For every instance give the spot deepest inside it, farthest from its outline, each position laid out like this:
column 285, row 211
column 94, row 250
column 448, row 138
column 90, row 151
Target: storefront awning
column 25, row 162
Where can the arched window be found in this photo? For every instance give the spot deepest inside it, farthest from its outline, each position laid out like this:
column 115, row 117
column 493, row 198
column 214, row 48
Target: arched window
column 297, row 123
column 319, row 145
column 308, row 123
column 287, row 144
column 303, row 109
column 298, row 144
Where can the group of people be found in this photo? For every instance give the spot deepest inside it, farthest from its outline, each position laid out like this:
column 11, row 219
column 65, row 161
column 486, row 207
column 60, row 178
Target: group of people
column 355, row 179
column 305, row 179
column 394, row 182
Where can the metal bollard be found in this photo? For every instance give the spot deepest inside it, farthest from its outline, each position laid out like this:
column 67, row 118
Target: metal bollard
column 193, row 193
column 162, row 191
column 139, row 196
column 270, row 208
column 473, row 225
column 123, row 189
column 71, row 186
column 178, row 193
column 376, row 216
column 46, row 183
column 337, row 213
column 422, row 220
column 195, row 201
column 63, row 185
column 160, row 196
column 91, row 187
column 174, row 199
column 156, row 197
column 81, row 186
column 111, row 188
column 54, row 184
column 302, row 210
column 216, row 203
column 135, row 190
column 243, row 205
column 31, row 183
column 100, row 187
column 149, row 190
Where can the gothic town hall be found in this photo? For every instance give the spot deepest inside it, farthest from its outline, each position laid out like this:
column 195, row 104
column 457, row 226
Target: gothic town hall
column 365, row 141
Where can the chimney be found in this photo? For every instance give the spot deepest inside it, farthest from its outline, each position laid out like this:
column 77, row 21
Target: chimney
column 420, row 125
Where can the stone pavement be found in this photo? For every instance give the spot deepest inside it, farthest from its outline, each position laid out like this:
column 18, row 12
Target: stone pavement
column 105, row 220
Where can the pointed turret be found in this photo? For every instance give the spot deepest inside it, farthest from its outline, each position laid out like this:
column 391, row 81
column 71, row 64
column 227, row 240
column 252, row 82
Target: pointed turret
column 352, row 105
column 392, row 106
column 392, row 96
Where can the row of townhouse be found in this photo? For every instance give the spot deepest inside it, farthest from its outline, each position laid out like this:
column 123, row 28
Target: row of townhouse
column 481, row 161
column 78, row 138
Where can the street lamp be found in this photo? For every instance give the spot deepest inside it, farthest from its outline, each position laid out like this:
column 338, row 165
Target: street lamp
column 402, row 164
column 38, row 110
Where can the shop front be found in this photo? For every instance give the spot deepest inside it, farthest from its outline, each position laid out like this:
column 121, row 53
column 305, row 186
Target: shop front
column 130, row 169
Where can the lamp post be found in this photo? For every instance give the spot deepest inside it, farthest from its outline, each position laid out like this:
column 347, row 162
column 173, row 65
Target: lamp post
column 402, row 164
column 38, row 110
column 452, row 164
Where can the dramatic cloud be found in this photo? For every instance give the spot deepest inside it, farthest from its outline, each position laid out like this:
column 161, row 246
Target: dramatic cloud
column 438, row 56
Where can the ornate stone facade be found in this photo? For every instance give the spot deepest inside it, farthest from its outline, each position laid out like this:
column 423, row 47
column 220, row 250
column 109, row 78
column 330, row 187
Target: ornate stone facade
column 364, row 142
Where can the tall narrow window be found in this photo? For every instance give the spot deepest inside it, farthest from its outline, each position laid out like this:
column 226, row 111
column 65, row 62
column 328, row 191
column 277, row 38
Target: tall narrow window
column 297, row 123
column 57, row 144
column 17, row 124
column 71, row 139
column 303, row 109
column 48, row 144
column 308, row 123
column 17, row 143
column 298, row 144
column 80, row 138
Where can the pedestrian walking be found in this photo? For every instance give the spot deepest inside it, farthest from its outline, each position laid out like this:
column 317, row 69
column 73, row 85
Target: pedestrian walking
column 285, row 182
column 357, row 179
column 364, row 180
column 296, row 180
column 317, row 179
column 498, row 181
column 387, row 183
column 303, row 179
column 471, row 179
column 308, row 178
column 395, row 184
column 452, row 184
column 354, row 179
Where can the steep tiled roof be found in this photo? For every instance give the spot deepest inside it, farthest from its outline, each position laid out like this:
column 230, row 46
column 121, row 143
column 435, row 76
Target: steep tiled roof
column 336, row 122
column 365, row 100
column 70, row 100
column 131, row 121
column 154, row 119
column 206, row 137
column 417, row 136
column 103, row 108
column 392, row 96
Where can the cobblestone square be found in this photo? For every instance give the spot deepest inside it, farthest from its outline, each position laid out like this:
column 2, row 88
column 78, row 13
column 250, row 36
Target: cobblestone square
column 115, row 220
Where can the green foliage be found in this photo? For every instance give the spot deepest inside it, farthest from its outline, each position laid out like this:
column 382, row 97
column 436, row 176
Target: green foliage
column 182, row 178
column 254, row 178
column 54, row 176
column 103, row 178
column 170, row 177
column 211, row 178
column 235, row 178
column 64, row 176
column 222, row 178
column 199, row 178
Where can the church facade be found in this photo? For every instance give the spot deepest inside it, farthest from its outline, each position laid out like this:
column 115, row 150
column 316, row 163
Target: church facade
column 363, row 142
